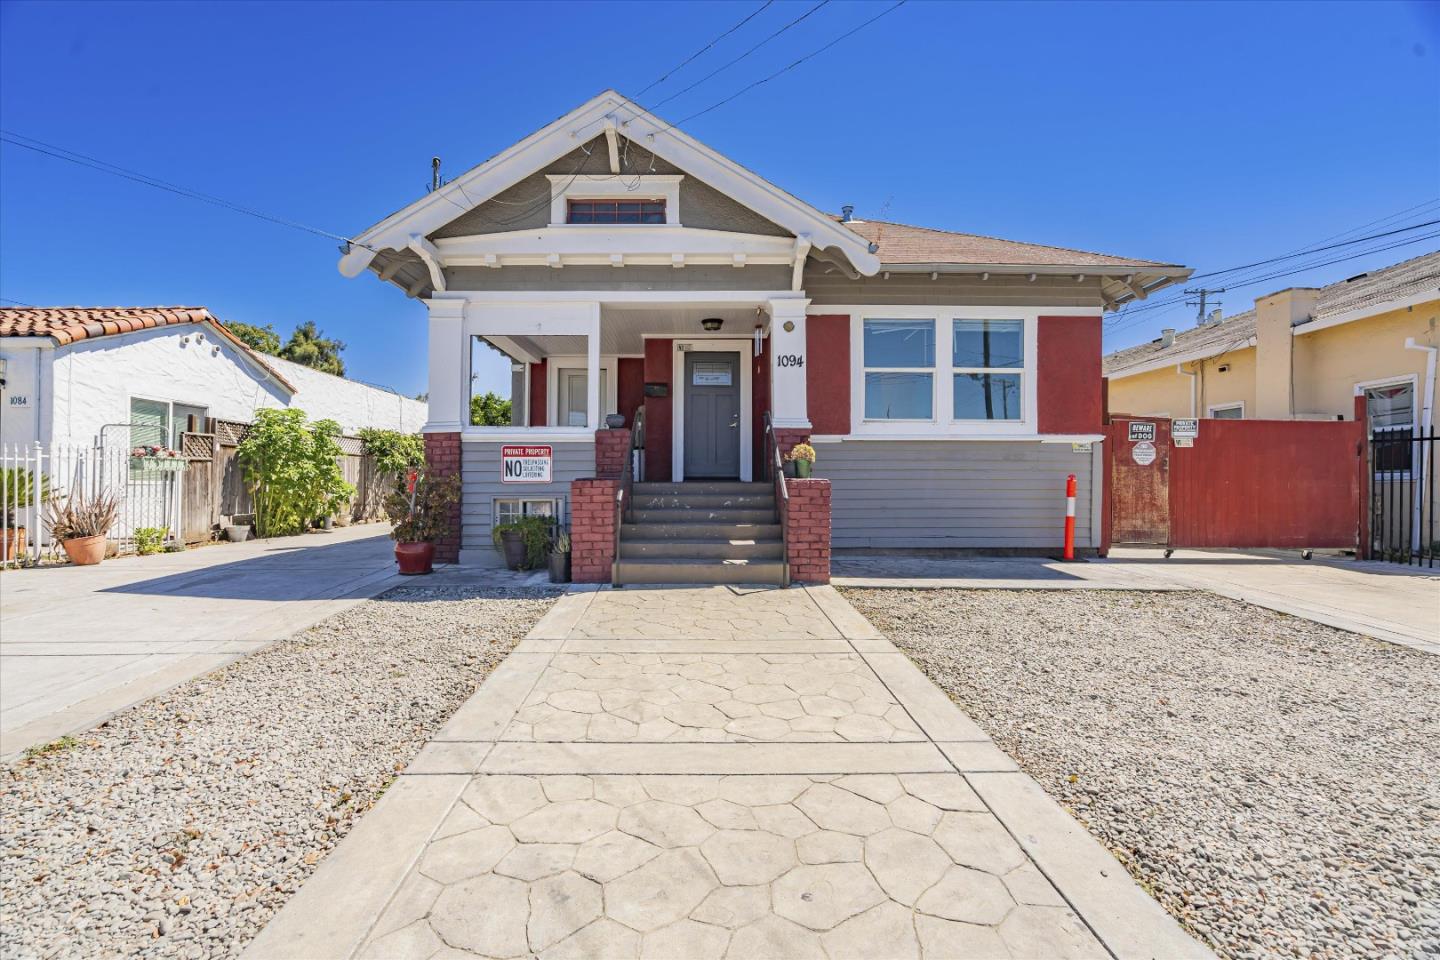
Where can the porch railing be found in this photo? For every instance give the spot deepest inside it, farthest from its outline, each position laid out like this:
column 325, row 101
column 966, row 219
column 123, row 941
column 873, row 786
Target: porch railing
column 775, row 467
column 624, row 498
column 1403, row 526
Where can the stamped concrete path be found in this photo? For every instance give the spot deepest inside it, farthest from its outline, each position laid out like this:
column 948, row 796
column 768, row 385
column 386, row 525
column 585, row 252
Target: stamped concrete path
column 716, row 772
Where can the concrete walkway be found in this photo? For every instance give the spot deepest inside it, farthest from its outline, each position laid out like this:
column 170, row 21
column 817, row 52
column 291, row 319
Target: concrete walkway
column 716, row 772
column 78, row 644
column 1385, row 601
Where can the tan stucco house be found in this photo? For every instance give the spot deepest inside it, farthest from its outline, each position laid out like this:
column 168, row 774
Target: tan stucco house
column 1299, row 354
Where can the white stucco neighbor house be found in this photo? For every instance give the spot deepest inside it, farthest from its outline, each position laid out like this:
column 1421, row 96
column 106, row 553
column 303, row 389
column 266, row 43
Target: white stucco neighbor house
column 74, row 376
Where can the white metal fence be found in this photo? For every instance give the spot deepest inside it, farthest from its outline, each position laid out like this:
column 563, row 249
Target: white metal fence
column 148, row 493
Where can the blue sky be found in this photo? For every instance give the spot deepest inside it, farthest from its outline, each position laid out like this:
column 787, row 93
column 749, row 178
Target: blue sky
column 1208, row 134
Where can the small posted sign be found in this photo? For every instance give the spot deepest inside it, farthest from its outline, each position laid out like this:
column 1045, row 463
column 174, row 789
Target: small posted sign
column 1185, row 429
column 526, row 464
column 1142, row 430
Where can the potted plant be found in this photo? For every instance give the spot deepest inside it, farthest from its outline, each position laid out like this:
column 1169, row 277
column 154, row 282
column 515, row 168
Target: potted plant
column 238, row 529
column 803, row 456
column 155, row 456
column 560, row 558
column 17, row 491
column 80, row 523
column 419, row 512
column 525, row 543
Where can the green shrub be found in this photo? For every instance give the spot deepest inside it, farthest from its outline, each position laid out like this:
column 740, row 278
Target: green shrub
column 537, row 532
column 150, row 540
column 292, row 468
column 393, row 451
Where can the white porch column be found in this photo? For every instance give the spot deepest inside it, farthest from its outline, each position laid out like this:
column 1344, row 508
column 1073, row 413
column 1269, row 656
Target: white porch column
column 788, row 407
column 592, row 370
column 449, row 363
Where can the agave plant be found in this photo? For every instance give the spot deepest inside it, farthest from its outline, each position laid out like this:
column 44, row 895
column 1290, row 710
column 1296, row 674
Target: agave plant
column 78, row 515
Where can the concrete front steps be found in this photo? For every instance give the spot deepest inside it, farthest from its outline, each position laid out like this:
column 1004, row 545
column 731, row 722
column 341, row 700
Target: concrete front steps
column 701, row 532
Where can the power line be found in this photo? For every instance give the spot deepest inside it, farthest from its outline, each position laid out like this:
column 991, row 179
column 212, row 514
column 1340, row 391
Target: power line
column 742, row 56
column 814, row 53
column 1276, row 276
column 1236, row 282
column 104, row 166
column 683, row 63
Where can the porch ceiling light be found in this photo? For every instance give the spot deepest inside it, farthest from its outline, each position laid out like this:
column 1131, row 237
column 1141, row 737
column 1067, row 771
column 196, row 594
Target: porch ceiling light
column 712, row 323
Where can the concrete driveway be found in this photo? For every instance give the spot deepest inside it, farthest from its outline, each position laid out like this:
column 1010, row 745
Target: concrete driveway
column 1385, row 601
column 79, row 643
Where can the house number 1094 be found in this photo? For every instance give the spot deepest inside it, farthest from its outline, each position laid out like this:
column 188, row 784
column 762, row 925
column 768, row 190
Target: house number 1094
column 790, row 360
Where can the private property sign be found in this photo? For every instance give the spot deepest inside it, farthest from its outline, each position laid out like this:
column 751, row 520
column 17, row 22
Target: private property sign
column 526, row 464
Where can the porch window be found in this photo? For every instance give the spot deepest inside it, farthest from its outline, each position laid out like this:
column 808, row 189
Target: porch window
column 899, row 369
column 988, row 360
column 511, row 509
column 573, row 395
column 616, row 211
column 1391, row 409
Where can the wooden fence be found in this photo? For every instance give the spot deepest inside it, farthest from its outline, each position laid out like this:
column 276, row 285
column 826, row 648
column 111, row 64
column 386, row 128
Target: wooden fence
column 215, row 489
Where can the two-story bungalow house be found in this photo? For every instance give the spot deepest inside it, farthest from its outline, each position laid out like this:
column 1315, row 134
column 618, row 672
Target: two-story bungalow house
column 948, row 382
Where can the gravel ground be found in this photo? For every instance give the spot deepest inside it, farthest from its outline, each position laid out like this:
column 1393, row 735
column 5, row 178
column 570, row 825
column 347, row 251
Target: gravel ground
column 180, row 826
column 1273, row 782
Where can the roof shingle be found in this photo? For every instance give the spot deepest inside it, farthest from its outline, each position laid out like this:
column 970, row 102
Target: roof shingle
column 902, row 243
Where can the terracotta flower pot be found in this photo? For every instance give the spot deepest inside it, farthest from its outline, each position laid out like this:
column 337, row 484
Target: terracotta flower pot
column 415, row 558
column 84, row 551
column 12, row 544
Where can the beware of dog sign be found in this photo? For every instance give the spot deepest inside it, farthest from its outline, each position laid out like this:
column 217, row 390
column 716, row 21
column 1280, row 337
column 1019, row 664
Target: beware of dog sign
column 526, row 464
column 1141, row 430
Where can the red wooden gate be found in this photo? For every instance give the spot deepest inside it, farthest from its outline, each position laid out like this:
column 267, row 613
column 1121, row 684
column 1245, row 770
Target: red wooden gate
column 1241, row 483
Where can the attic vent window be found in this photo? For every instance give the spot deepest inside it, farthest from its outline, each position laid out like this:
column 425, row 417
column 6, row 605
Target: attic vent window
column 615, row 211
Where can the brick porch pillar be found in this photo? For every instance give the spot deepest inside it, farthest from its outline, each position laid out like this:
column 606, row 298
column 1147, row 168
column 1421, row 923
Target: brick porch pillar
column 611, row 449
column 592, row 529
column 807, row 530
column 442, row 459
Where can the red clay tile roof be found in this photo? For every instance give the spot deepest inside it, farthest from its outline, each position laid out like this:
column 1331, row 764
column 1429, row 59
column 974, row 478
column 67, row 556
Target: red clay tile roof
column 902, row 243
column 70, row 324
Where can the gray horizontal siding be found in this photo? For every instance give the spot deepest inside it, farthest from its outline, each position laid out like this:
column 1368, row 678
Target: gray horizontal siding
column 480, row 485
column 953, row 494
column 919, row 290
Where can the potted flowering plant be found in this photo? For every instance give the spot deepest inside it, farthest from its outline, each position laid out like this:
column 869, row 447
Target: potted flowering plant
column 803, row 456
column 419, row 512
column 80, row 523
column 157, row 456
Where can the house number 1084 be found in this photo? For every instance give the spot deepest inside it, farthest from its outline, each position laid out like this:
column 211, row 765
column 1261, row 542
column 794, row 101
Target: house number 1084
column 790, row 360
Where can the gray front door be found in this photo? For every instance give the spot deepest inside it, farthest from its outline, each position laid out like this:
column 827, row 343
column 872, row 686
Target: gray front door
column 712, row 415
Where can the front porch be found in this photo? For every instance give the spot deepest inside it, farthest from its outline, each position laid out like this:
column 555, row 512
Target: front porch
column 651, row 427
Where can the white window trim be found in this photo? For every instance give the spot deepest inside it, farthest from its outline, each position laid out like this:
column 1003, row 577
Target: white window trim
column 1414, row 383
column 943, row 423
column 169, row 414
column 610, row 365
column 677, row 400
column 1236, row 405
column 612, row 187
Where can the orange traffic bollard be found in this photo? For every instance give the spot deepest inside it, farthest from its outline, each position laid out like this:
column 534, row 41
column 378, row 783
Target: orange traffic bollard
column 1070, row 517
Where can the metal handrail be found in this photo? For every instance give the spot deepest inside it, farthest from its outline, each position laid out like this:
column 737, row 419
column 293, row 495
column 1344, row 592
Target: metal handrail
column 777, row 462
column 627, row 473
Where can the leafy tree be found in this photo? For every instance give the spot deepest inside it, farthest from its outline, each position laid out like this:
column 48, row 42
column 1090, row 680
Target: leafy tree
column 262, row 339
column 293, row 470
column 423, row 397
column 489, row 410
column 308, row 346
column 393, row 451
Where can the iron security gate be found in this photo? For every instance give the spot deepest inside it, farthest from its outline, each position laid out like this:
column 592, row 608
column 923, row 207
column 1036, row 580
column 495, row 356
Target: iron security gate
column 1403, row 527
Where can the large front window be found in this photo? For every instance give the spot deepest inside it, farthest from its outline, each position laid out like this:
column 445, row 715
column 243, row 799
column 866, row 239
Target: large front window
column 988, row 360
column 899, row 369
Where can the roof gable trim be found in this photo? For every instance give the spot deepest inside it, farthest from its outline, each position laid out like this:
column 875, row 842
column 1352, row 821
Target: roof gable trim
column 560, row 137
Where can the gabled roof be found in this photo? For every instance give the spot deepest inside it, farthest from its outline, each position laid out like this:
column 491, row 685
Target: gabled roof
column 65, row 325
column 407, row 228
column 902, row 243
column 1365, row 295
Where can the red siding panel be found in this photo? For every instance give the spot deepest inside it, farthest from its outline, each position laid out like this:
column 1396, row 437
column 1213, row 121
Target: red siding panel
column 1068, row 391
column 827, row 373
column 658, row 369
column 537, row 394
column 630, row 386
